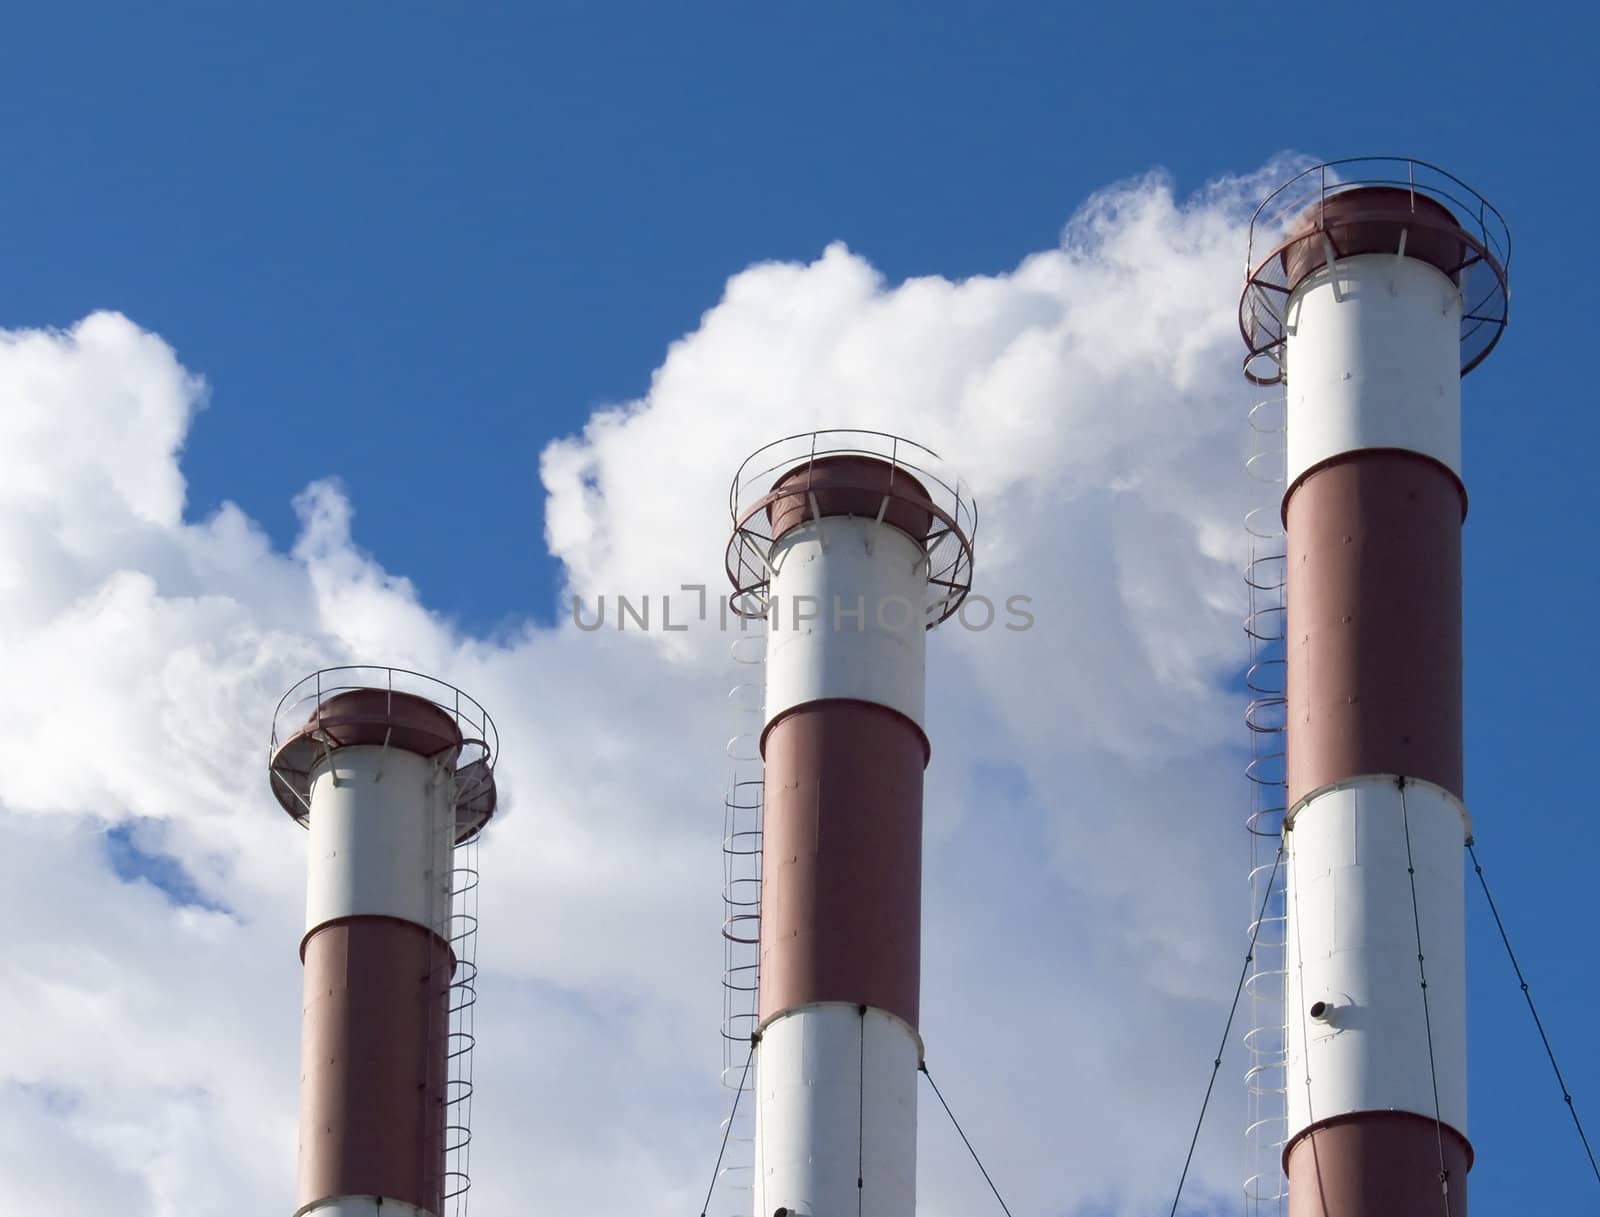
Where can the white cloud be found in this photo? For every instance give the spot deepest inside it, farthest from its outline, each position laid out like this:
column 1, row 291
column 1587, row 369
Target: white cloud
column 1081, row 921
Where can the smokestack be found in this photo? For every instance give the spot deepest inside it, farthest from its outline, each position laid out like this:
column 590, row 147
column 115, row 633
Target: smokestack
column 389, row 783
column 1384, row 284
column 852, row 551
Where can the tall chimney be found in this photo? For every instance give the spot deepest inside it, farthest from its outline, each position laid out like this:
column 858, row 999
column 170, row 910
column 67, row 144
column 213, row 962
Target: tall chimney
column 389, row 783
column 1384, row 282
column 852, row 551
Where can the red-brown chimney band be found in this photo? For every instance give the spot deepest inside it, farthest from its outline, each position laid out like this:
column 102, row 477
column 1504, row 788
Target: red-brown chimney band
column 373, row 1044
column 1374, row 622
column 1370, row 220
column 1377, row 1164
column 841, row 893
column 849, row 485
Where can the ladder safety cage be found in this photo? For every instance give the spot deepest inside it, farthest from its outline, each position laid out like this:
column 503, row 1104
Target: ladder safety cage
column 1266, row 1034
column 741, row 907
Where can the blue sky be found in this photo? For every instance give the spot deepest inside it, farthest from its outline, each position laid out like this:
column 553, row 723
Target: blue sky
column 472, row 227
column 408, row 246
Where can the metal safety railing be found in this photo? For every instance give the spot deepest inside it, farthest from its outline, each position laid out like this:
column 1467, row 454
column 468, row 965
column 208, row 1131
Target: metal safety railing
column 1439, row 202
column 919, row 477
column 741, row 906
column 1265, row 1037
column 298, row 720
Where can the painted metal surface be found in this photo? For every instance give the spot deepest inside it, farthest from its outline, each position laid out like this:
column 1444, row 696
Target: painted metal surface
column 849, row 620
column 841, row 891
column 1373, row 570
column 1378, row 1164
column 1377, row 220
column 1352, row 947
column 837, row 1103
column 362, row 1206
column 852, row 484
column 380, row 837
column 372, row 1062
column 1373, row 360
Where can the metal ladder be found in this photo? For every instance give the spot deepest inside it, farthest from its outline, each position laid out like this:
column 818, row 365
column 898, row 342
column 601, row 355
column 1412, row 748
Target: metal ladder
column 461, row 1037
column 455, row 921
column 1266, row 1044
column 741, row 905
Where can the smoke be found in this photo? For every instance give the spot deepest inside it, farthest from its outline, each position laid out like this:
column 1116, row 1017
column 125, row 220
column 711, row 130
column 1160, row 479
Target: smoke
column 1085, row 880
